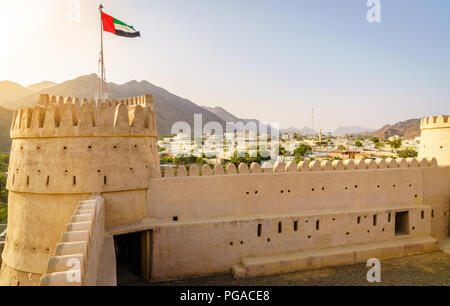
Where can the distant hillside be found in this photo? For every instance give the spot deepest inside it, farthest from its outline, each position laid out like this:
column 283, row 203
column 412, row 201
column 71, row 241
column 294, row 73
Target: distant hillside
column 222, row 113
column 40, row 86
column 169, row 107
column 407, row 129
column 228, row 117
column 350, row 130
column 304, row 131
column 12, row 91
column 6, row 117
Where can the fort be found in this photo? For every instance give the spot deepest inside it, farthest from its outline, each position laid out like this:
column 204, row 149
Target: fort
column 85, row 188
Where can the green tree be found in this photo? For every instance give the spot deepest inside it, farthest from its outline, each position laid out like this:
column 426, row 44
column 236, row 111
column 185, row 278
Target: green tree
column 407, row 153
column 3, row 213
column 301, row 151
column 342, row 148
column 166, row 159
column 358, row 143
column 397, row 143
column 375, row 140
column 184, row 160
column 283, row 151
column 4, row 160
column 247, row 159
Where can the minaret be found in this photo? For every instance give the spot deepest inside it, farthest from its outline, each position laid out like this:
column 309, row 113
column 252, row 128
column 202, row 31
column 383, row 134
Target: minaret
column 63, row 151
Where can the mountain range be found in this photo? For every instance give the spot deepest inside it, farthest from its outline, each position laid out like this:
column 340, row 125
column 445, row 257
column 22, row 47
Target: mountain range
column 407, row 129
column 169, row 108
column 350, row 130
column 228, row 117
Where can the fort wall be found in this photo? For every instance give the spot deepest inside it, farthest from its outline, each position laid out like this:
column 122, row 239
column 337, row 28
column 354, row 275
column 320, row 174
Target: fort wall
column 249, row 220
column 208, row 223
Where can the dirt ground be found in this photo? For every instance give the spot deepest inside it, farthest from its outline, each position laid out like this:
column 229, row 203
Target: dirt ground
column 431, row 269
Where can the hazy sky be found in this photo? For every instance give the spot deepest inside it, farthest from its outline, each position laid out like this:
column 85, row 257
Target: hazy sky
column 271, row 60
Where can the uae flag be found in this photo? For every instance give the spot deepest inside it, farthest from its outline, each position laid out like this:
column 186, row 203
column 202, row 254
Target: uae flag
column 111, row 24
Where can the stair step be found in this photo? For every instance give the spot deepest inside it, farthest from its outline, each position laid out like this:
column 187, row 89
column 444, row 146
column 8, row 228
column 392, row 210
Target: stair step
column 75, row 236
column 87, row 202
column 66, row 278
column 313, row 259
column 86, row 206
column 65, row 263
column 444, row 245
column 82, row 218
column 78, row 226
column 85, row 211
column 70, row 248
column 238, row 270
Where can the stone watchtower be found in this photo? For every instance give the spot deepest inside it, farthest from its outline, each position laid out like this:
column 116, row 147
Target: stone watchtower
column 63, row 151
column 435, row 139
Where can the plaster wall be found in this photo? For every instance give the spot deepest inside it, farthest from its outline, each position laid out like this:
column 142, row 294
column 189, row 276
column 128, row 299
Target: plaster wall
column 41, row 220
column 246, row 195
column 206, row 224
column 197, row 248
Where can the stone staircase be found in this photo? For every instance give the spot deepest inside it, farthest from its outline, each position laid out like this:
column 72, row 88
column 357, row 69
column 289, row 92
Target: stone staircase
column 77, row 254
column 314, row 259
column 444, row 244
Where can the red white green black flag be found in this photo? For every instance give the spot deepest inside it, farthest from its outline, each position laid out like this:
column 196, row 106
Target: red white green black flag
column 115, row 26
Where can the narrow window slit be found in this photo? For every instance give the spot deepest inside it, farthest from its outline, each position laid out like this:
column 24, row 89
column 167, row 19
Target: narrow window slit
column 317, row 225
column 259, row 230
column 374, row 220
column 279, row 228
column 295, row 226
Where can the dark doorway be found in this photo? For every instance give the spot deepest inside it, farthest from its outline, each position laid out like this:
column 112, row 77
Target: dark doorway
column 132, row 256
column 402, row 223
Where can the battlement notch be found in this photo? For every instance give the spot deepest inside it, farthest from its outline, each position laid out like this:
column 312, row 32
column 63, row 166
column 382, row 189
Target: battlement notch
column 55, row 116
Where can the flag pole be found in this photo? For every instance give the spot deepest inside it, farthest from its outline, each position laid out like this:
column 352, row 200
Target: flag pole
column 101, row 52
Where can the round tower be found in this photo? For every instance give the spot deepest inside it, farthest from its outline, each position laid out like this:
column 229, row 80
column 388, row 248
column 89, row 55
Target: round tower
column 435, row 139
column 63, row 151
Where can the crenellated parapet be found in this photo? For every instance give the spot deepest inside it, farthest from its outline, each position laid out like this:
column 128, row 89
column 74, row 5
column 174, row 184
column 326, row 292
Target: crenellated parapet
column 68, row 145
column 435, row 139
column 435, row 122
column 292, row 166
column 56, row 116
